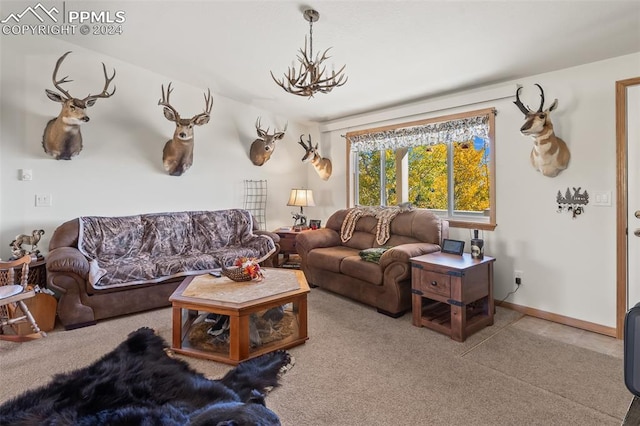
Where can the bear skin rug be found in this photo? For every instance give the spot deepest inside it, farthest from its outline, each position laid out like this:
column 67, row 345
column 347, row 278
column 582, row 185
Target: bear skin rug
column 138, row 383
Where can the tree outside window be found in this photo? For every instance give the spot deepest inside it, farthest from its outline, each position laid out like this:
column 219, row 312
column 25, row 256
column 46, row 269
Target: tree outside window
column 447, row 164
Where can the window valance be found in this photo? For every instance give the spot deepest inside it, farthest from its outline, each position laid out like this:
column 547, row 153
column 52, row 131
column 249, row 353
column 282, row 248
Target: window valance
column 458, row 130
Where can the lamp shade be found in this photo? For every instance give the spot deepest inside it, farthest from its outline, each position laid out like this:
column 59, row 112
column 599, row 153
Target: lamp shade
column 301, row 198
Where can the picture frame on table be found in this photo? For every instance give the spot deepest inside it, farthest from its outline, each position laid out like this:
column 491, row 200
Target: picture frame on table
column 453, row 247
column 315, row 223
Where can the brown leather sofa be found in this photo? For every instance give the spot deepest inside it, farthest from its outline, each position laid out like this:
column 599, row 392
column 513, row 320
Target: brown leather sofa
column 332, row 264
column 83, row 301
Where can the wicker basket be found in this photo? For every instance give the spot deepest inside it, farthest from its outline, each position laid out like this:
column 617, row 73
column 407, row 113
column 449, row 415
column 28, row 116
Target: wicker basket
column 236, row 274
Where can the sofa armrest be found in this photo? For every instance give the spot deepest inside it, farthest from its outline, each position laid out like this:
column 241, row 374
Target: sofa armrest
column 275, row 237
column 404, row 252
column 308, row 240
column 67, row 271
column 67, row 259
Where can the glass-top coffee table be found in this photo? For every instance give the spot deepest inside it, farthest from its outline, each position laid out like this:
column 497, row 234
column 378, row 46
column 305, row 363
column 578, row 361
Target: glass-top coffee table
column 262, row 316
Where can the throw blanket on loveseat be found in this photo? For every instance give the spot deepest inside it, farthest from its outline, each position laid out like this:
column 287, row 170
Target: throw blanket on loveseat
column 384, row 215
column 153, row 247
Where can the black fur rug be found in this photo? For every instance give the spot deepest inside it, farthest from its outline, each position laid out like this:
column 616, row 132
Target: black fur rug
column 139, row 384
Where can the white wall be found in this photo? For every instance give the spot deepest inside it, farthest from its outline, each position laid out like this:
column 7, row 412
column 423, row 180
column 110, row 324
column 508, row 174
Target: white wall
column 119, row 171
column 568, row 264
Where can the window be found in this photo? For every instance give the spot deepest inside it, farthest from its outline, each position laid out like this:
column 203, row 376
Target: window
column 446, row 164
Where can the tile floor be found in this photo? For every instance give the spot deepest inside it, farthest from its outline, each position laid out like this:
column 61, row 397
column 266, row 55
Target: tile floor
column 575, row 336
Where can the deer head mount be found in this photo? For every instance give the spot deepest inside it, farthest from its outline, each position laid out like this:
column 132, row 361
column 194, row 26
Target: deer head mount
column 550, row 154
column 311, row 155
column 177, row 155
column 62, row 138
column 263, row 147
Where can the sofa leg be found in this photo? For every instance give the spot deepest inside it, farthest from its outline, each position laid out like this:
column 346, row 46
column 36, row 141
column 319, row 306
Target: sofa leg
column 391, row 314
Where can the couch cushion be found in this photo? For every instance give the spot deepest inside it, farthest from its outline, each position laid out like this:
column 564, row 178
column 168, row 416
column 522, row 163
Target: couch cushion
column 107, row 238
column 166, row 234
column 121, row 272
column 330, row 258
column 215, row 229
column 355, row 267
column 419, row 225
column 166, row 266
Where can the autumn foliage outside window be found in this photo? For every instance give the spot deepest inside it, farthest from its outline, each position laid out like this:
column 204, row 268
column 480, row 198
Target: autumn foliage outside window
column 444, row 164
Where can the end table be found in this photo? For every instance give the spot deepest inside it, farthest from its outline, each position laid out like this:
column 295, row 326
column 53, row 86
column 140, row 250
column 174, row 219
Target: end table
column 287, row 245
column 452, row 294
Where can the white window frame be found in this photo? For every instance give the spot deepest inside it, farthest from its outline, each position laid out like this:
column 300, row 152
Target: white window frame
column 470, row 220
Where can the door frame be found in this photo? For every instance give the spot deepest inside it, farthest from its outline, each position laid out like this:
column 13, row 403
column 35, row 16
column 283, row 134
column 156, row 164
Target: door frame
column 622, row 202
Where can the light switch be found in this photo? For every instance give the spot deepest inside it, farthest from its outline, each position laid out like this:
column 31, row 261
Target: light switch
column 602, row 198
column 26, row 174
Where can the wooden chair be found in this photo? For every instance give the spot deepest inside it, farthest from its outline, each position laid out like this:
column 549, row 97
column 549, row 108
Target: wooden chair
column 12, row 294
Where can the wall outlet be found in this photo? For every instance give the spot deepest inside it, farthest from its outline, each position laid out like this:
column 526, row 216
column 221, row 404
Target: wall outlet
column 43, row 200
column 517, row 276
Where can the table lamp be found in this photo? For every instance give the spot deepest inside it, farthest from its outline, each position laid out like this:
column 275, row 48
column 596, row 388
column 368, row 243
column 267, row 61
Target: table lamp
column 300, row 198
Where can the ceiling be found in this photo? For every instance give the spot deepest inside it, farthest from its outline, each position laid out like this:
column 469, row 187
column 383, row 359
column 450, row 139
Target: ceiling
column 395, row 51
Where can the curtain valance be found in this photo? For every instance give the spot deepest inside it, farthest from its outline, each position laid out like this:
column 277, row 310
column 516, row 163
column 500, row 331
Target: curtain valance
column 459, row 130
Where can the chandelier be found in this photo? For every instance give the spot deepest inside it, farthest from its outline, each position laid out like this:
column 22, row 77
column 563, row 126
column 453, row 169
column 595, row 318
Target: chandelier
column 310, row 78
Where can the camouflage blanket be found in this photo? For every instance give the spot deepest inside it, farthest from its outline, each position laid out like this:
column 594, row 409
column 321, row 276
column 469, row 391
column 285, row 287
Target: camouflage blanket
column 148, row 248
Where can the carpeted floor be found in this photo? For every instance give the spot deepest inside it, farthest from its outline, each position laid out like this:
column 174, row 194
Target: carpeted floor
column 362, row 368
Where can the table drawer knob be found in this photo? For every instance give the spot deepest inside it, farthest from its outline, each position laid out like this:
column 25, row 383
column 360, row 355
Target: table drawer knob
column 434, row 283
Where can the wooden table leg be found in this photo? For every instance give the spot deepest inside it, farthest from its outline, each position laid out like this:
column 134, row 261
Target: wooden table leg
column 177, row 327
column 234, row 338
column 238, row 337
column 416, row 309
column 302, row 316
column 458, row 322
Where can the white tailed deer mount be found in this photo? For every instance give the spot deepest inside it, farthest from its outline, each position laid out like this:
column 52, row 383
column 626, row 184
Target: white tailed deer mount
column 550, row 154
column 321, row 164
column 62, row 138
column 177, row 155
column 263, row 147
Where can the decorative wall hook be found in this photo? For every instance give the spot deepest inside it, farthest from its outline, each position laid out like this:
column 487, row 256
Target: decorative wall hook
column 572, row 203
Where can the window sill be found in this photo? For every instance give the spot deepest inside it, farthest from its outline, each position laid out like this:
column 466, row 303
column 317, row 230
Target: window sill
column 484, row 226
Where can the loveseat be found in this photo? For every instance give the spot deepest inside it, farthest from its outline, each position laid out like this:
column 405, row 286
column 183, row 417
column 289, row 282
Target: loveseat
column 102, row 267
column 333, row 257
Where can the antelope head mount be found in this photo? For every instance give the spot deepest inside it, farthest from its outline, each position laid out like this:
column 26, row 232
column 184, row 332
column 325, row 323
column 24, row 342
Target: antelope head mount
column 263, row 147
column 550, row 154
column 62, row 138
column 177, row 155
column 311, row 155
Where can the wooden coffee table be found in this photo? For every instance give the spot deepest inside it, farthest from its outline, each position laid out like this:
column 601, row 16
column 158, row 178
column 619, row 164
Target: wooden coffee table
column 202, row 294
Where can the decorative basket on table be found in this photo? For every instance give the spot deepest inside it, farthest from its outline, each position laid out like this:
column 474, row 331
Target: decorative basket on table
column 236, row 274
column 244, row 269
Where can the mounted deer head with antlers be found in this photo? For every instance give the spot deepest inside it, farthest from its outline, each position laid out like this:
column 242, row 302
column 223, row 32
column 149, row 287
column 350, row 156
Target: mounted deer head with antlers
column 263, row 147
column 177, row 155
column 62, row 138
column 550, row 154
column 321, row 164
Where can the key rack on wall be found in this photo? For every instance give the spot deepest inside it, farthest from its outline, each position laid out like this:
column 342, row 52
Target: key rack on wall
column 572, row 202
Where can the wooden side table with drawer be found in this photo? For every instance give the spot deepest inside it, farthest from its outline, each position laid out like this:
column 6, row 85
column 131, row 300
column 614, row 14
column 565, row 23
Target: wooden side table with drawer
column 287, row 245
column 452, row 294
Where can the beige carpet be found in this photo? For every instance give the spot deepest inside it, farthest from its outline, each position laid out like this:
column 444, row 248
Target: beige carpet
column 362, row 368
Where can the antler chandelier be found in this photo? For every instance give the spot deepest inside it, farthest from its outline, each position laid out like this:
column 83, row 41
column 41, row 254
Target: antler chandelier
column 310, row 78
